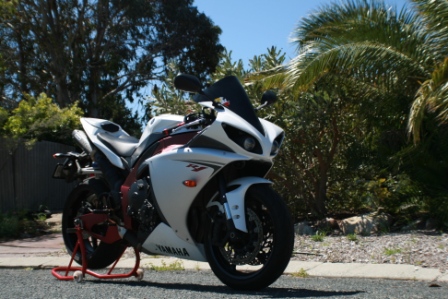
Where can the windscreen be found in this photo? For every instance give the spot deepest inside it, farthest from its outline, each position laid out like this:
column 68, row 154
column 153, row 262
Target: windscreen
column 234, row 97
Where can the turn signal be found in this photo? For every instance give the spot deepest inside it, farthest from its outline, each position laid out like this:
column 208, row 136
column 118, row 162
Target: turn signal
column 190, row 183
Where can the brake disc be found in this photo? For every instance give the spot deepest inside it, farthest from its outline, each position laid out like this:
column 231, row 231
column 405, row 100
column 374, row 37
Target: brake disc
column 245, row 251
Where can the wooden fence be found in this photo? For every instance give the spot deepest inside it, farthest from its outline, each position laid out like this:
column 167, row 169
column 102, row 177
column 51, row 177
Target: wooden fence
column 26, row 177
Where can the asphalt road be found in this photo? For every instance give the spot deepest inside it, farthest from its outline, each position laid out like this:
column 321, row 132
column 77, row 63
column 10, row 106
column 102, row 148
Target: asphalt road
column 29, row 283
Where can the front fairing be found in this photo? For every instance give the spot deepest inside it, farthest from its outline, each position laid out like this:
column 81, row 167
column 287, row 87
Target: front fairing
column 231, row 94
column 234, row 108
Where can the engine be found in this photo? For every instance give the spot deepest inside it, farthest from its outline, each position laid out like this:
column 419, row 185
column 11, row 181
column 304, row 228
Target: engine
column 141, row 208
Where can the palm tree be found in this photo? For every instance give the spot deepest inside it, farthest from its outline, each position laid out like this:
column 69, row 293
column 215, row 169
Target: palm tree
column 381, row 50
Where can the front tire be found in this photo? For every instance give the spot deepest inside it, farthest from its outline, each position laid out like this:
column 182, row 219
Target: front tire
column 99, row 254
column 253, row 260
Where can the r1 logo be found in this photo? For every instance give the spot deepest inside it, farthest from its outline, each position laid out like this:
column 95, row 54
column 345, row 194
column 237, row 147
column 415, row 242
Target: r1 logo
column 196, row 168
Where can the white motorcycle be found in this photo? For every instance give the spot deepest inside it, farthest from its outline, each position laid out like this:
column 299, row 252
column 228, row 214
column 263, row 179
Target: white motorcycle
column 191, row 187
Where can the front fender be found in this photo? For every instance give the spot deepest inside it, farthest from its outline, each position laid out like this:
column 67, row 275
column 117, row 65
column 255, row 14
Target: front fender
column 235, row 198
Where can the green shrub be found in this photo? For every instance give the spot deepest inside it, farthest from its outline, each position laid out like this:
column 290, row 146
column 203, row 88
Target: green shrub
column 9, row 226
column 352, row 237
column 391, row 251
column 318, row 237
column 22, row 223
column 174, row 266
column 301, row 273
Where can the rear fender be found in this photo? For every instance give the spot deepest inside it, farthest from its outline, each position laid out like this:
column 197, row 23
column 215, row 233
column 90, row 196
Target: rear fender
column 235, row 199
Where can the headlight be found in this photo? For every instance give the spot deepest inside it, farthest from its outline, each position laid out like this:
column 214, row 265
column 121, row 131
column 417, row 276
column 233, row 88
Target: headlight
column 249, row 144
column 277, row 144
column 243, row 139
column 275, row 148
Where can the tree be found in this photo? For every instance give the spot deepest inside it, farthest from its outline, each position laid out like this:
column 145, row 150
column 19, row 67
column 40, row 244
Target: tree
column 6, row 9
column 166, row 99
column 37, row 119
column 102, row 52
column 3, row 118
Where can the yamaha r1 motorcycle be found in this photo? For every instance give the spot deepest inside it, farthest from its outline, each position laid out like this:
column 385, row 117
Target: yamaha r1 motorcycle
column 191, row 187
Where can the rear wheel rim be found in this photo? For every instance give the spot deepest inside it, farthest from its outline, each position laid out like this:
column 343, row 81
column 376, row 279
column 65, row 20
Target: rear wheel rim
column 98, row 254
column 90, row 243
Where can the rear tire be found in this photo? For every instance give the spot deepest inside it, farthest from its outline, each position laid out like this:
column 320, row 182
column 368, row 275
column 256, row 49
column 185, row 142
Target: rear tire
column 99, row 254
column 268, row 244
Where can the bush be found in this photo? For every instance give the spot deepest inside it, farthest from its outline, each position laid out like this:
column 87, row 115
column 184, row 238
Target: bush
column 39, row 118
column 22, row 224
column 9, row 226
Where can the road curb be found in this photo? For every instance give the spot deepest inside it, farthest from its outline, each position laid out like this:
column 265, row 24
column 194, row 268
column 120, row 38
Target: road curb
column 296, row 268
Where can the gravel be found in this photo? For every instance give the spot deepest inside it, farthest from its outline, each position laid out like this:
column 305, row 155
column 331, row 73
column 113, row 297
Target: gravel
column 420, row 248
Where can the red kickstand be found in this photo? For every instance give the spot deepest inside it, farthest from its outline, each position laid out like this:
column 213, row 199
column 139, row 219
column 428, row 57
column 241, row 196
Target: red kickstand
column 80, row 272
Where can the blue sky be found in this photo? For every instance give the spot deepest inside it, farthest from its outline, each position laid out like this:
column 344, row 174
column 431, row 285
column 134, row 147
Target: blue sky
column 250, row 27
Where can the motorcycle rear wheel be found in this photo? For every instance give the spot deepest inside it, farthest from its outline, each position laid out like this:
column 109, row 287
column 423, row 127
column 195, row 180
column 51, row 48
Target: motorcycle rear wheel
column 99, row 254
column 254, row 260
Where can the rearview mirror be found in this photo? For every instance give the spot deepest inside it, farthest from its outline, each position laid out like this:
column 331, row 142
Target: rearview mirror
column 269, row 97
column 187, row 83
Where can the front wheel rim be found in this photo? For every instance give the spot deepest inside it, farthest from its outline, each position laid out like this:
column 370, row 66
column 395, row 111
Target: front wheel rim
column 248, row 257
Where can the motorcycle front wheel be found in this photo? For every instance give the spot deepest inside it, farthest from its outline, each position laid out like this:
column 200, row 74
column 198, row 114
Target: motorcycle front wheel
column 253, row 260
column 82, row 199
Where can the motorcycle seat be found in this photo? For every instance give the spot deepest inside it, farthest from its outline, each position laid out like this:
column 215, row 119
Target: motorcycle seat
column 123, row 145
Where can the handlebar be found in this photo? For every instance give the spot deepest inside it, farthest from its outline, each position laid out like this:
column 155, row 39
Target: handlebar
column 200, row 121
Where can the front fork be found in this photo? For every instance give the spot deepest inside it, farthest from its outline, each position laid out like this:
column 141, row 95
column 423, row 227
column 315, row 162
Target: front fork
column 224, row 202
column 232, row 204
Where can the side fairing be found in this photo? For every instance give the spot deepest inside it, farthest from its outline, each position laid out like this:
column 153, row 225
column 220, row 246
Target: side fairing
column 170, row 170
column 163, row 240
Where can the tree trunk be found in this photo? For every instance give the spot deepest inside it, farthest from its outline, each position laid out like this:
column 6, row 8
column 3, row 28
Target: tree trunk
column 325, row 162
column 320, row 187
column 62, row 95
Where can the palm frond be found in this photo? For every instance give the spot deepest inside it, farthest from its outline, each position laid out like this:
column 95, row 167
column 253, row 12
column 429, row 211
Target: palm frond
column 366, row 39
column 364, row 60
column 432, row 96
column 355, row 21
column 418, row 109
column 435, row 14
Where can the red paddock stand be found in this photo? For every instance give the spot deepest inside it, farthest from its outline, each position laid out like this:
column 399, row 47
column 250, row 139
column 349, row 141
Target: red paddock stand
column 79, row 273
